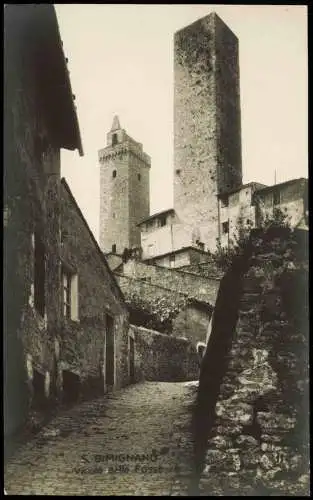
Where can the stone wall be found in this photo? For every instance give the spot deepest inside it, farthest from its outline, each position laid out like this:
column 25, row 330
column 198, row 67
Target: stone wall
column 83, row 342
column 253, row 392
column 159, row 357
column 149, row 305
column 198, row 287
column 205, row 269
column 192, row 323
column 31, row 203
column 113, row 260
column 166, row 310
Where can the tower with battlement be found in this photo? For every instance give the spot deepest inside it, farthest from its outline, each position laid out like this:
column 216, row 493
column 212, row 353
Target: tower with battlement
column 124, row 190
column 207, row 124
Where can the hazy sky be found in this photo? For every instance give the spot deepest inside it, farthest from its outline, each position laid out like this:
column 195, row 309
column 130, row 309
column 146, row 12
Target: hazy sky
column 121, row 62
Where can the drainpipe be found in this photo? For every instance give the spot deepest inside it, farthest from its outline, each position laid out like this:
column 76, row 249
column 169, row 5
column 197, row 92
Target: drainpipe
column 172, row 239
column 218, row 218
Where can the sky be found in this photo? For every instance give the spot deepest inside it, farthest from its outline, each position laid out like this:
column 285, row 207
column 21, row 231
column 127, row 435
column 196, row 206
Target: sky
column 121, row 62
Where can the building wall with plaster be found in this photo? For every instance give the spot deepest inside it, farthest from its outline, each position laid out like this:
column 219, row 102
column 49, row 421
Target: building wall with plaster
column 290, row 197
column 168, row 238
column 248, row 206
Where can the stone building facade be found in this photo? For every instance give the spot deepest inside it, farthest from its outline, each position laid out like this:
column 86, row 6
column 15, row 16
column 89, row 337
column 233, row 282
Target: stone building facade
column 61, row 302
column 248, row 206
column 94, row 334
column 36, row 88
column 124, row 190
column 291, row 197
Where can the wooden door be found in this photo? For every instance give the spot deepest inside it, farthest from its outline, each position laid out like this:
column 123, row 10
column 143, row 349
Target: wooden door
column 109, row 353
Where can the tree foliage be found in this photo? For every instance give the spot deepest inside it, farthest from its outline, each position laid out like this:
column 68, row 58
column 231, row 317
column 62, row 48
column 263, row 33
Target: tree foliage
column 154, row 312
column 224, row 255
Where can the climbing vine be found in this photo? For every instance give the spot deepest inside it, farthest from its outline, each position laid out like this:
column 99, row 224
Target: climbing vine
column 155, row 312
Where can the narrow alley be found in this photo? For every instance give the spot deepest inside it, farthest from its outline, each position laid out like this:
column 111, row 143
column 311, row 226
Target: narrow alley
column 136, row 441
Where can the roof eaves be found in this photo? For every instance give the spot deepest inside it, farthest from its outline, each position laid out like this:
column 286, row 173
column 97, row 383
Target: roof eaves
column 158, row 214
column 282, row 184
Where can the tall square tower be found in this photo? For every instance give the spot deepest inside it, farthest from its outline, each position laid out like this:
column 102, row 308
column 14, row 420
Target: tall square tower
column 207, row 124
column 124, row 190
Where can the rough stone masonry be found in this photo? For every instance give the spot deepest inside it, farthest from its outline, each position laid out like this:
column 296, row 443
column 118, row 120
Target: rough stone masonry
column 207, row 123
column 256, row 415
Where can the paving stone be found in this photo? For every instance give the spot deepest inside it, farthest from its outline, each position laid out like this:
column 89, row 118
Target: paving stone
column 136, row 442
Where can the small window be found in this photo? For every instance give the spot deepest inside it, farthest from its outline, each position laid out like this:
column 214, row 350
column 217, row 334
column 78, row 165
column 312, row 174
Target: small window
column 178, row 171
column 63, row 236
column 39, row 275
column 163, row 221
column 139, row 177
column 113, row 215
column 114, row 139
column 66, row 295
column 224, row 201
column 172, row 260
column 225, row 227
column 114, row 248
column 70, row 295
column 276, row 197
column 114, row 174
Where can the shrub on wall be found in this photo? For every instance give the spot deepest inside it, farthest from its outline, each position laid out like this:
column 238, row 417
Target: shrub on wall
column 157, row 313
column 224, row 255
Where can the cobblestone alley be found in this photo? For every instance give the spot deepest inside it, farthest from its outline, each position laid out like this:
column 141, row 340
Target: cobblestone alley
column 134, row 442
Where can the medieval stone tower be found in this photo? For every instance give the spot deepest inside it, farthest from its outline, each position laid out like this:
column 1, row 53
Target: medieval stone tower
column 124, row 190
column 207, row 124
